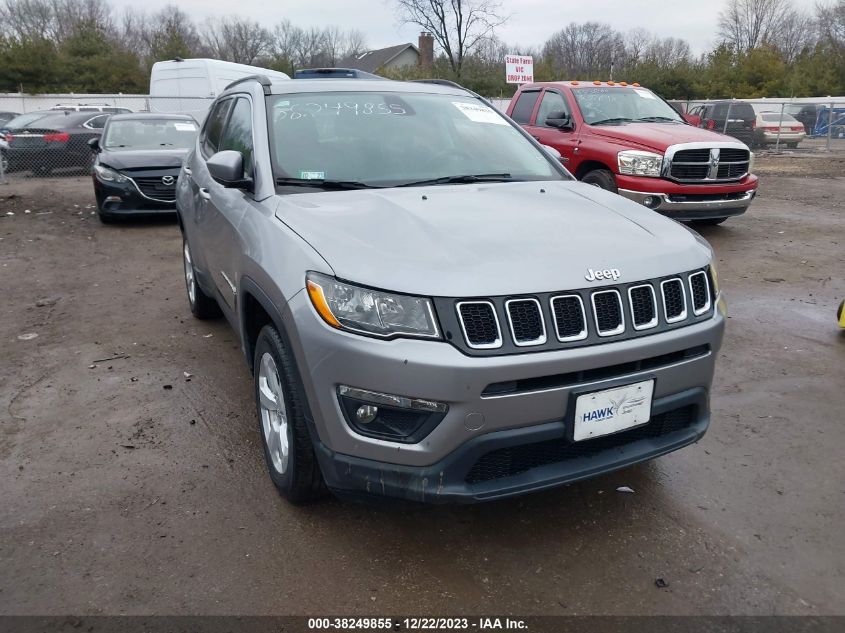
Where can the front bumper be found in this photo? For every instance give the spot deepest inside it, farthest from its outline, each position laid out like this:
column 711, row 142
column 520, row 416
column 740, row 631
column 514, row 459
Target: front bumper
column 693, row 206
column 438, row 467
column 125, row 198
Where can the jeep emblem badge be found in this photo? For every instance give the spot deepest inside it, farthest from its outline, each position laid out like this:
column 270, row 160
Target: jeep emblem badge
column 607, row 273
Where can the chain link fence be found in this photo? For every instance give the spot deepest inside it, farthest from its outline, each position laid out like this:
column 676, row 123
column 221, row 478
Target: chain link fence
column 49, row 135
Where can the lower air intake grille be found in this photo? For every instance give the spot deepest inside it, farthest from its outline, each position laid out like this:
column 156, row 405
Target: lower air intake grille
column 608, row 308
column 673, row 300
column 481, row 327
column 526, row 321
column 506, row 462
column 569, row 318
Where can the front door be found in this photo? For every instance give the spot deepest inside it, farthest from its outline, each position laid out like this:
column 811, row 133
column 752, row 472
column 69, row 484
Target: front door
column 564, row 141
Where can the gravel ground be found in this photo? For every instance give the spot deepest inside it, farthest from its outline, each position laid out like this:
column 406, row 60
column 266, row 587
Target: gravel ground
column 129, row 488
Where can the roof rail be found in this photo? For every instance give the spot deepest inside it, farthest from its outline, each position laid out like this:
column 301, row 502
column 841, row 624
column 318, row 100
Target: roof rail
column 441, row 82
column 262, row 79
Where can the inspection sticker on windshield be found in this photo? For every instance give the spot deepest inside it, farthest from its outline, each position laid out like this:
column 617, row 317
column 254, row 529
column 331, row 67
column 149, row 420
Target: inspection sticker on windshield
column 645, row 94
column 612, row 410
column 185, row 127
column 312, row 175
column 479, row 113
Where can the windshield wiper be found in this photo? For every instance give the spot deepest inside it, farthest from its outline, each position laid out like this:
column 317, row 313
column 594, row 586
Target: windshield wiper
column 619, row 119
column 658, row 118
column 462, row 179
column 324, row 184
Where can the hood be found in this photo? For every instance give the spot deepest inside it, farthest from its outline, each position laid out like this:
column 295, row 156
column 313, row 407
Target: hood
column 143, row 159
column 659, row 136
column 490, row 239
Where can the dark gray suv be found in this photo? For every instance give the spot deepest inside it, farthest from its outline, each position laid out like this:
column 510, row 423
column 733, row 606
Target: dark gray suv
column 431, row 306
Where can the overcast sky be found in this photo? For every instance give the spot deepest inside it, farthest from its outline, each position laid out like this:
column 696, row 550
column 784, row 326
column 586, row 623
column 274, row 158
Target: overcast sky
column 531, row 22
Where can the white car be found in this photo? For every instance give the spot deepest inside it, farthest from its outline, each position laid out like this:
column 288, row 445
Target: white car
column 768, row 124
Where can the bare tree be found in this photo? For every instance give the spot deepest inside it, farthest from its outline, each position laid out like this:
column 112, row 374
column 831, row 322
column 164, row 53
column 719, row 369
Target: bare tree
column 830, row 18
column 584, row 51
column 171, row 33
column 746, row 24
column 458, row 26
column 237, row 39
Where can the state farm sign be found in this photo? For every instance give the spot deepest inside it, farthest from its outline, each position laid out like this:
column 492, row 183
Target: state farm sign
column 519, row 69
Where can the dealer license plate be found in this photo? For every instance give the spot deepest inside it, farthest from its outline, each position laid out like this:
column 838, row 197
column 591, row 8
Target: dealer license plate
column 612, row 410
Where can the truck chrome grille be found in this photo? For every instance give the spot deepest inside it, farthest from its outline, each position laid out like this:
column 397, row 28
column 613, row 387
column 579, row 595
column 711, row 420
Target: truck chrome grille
column 480, row 324
column 568, row 311
column 526, row 321
column 575, row 318
column 708, row 164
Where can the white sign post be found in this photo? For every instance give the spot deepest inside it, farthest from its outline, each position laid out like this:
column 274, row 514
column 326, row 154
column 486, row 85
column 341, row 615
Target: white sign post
column 519, row 69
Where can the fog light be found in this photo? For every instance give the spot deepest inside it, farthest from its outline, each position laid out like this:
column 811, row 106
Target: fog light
column 651, row 201
column 389, row 417
column 366, row 413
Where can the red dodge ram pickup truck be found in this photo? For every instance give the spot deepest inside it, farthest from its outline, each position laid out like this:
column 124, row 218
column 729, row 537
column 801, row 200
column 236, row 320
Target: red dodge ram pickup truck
column 626, row 139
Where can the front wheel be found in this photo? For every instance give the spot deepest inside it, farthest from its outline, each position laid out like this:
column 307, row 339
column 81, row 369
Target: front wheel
column 602, row 178
column 202, row 306
column 288, row 450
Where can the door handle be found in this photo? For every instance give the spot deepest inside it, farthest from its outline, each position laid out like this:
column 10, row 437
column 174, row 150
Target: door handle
column 205, row 194
column 187, row 171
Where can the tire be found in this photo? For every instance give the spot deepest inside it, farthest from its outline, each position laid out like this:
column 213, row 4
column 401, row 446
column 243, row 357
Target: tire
column 792, row 145
column 602, row 178
column 281, row 407
column 710, row 221
column 202, row 306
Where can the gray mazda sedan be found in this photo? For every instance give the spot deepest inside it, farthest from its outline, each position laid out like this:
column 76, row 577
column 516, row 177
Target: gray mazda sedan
column 431, row 306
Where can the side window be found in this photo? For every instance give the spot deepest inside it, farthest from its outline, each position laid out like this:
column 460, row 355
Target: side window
column 214, row 127
column 525, row 106
column 552, row 102
column 96, row 123
column 238, row 133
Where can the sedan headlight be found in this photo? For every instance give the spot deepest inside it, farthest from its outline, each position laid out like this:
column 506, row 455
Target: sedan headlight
column 109, row 175
column 638, row 163
column 375, row 312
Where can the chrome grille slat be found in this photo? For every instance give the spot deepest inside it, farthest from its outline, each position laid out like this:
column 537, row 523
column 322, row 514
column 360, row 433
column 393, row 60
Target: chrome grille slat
column 674, row 300
column 707, row 164
column 608, row 313
column 643, row 304
column 525, row 318
column 570, row 318
column 480, row 324
column 699, row 287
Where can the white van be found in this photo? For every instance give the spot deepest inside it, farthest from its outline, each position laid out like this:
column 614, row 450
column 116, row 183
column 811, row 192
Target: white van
column 189, row 86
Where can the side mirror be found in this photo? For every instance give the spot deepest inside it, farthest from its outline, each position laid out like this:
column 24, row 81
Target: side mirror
column 553, row 152
column 94, row 143
column 227, row 168
column 560, row 120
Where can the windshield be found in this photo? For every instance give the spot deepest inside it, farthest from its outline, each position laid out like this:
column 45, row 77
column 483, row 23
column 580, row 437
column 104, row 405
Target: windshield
column 150, row 134
column 617, row 104
column 23, row 120
column 397, row 138
column 777, row 116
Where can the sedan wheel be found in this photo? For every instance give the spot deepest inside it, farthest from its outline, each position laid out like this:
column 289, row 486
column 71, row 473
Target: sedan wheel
column 202, row 306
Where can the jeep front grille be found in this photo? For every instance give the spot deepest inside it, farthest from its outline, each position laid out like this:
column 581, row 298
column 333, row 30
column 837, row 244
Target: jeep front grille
column 575, row 318
column 709, row 164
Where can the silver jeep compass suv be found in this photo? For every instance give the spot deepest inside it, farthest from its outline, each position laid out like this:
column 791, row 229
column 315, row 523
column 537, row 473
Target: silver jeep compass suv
column 431, row 306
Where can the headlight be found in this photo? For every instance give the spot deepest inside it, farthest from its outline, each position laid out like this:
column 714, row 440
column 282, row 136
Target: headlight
column 109, row 175
column 751, row 163
column 637, row 163
column 367, row 311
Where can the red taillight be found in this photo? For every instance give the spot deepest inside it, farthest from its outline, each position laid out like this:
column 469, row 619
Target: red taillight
column 770, row 129
column 797, row 128
column 8, row 137
column 753, row 124
column 58, row 137
column 710, row 124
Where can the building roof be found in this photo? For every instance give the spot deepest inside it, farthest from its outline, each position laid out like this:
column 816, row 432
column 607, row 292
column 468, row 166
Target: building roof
column 371, row 61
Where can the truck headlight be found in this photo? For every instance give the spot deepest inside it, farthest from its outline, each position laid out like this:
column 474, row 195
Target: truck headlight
column 367, row 311
column 109, row 175
column 637, row 163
